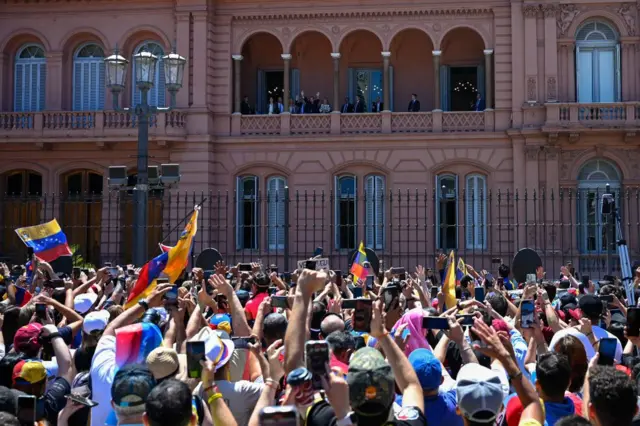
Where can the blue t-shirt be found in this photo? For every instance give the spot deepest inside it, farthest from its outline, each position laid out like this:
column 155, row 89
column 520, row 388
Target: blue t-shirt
column 440, row 409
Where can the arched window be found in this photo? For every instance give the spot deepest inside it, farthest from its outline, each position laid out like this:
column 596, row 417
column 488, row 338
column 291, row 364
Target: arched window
column 88, row 78
column 597, row 63
column 476, row 212
column 156, row 96
column 374, row 211
column 82, row 212
column 346, row 212
column 592, row 180
column 247, row 218
column 447, row 211
column 276, row 207
column 30, row 79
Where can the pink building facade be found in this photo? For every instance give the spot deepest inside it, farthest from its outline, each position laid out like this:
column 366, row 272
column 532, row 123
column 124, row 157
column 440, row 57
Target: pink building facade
column 527, row 110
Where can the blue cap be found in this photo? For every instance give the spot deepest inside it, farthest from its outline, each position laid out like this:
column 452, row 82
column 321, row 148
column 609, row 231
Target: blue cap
column 243, row 294
column 428, row 368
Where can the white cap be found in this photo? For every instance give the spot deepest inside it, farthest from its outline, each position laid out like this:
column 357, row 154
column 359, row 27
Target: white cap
column 95, row 321
column 479, row 393
column 83, row 302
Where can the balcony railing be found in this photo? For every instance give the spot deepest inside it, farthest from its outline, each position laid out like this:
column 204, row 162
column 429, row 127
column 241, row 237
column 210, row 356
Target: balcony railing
column 87, row 124
column 386, row 122
column 593, row 115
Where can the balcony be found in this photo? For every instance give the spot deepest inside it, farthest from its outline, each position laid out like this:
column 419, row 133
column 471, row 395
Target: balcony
column 574, row 117
column 87, row 124
column 336, row 123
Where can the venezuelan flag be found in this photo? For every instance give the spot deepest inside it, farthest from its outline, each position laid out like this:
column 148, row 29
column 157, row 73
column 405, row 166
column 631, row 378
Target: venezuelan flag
column 21, row 295
column 461, row 271
column 47, row 240
column 179, row 254
column 147, row 279
column 449, row 285
column 357, row 269
column 134, row 342
column 164, row 249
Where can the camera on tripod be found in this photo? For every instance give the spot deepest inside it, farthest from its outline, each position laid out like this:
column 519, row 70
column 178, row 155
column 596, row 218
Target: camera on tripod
column 608, row 204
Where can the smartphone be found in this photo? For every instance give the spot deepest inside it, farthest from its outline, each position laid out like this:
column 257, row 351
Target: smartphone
column 466, row 319
column 131, row 272
column 113, row 272
column 243, row 342
column 585, row 281
column 606, row 299
column 357, row 292
column 633, row 322
column 195, row 354
column 310, row 264
column 362, row 315
column 274, row 270
column 531, row 278
column 245, row 267
column 369, row 282
column 317, row 356
column 435, row 323
column 435, row 291
column 76, row 273
column 318, row 251
column 41, row 310
column 107, row 264
column 171, row 297
column 607, row 350
column 27, row 409
column 338, row 277
column 496, row 260
column 163, row 280
column 81, row 400
column 527, row 312
column 397, row 270
column 479, row 294
column 279, row 416
column 280, row 302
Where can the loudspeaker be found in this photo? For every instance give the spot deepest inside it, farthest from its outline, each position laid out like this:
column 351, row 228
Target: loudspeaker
column 526, row 261
column 170, row 173
column 372, row 258
column 208, row 258
column 117, row 176
column 153, row 175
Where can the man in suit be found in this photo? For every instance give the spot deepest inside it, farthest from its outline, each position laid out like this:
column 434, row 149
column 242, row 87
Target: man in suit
column 359, row 105
column 245, row 108
column 346, row 106
column 480, row 104
column 281, row 105
column 414, row 105
column 377, row 106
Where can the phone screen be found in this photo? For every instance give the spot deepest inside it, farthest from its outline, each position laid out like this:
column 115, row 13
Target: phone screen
column 81, row 400
column 172, row 295
column 362, row 315
column 27, row 409
column 41, row 310
column 479, row 294
column 527, row 310
column 317, row 355
column 195, row 354
column 370, row 282
column 279, row 416
column 434, row 292
column 466, row 319
column 435, row 323
column 280, row 302
column 633, row 322
column 356, row 291
column 243, row 342
column 607, row 350
column 245, row 267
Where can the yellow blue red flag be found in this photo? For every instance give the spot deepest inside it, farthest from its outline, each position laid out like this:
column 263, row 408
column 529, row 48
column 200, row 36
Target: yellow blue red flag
column 449, row 285
column 179, row 254
column 357, row 269
column 47, row 240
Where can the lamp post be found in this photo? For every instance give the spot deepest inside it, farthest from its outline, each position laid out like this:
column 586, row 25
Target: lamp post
column 146, row 64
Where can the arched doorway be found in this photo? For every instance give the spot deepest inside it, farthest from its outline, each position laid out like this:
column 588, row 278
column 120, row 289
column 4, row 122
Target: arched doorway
column 412, row 60
column 597, row 63
column 361, row 52
column 154, row 222
column 262, row 71
column 21, row 206
column 82, row 212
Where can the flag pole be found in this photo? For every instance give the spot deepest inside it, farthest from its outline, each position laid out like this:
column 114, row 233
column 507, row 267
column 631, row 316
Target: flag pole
column 183, row 220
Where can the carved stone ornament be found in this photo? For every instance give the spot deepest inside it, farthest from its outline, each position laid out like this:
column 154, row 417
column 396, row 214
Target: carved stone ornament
column 567, row 14
column 566, row 162
column 386, row 28
column 532, row 152
column 335, row 29
column 552, row 90
column 437, row 27
column 286, row 32
column 551, row 153
column 530, row 10
column 549, row 10
column 626, row 13
column 531, row 89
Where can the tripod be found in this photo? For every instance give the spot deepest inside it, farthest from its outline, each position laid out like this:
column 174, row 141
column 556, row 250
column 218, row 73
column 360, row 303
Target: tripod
column 609, row 208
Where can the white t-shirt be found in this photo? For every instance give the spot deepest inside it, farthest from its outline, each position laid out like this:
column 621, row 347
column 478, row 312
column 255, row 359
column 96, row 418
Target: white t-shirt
column 241, row 397
column 103, row 370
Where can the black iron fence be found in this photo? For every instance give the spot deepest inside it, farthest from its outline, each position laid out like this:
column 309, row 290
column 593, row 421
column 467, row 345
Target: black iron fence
column 404, row 227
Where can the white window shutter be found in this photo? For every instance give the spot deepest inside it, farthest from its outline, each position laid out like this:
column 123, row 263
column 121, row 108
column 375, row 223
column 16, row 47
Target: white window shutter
column 275, row 213
column 370, row 210
column 239, row 213
column 379, row 210
column 471, row 207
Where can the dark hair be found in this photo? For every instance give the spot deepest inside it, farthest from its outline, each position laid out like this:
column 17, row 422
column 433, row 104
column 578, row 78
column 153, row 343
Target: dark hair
column 11, row 324
column 617, row 329
column 82, row 358
column 464, row 282
column 274, row 326
column 613, row 396
column 498, row 303
column 340, row 341
column 8, row 401
column 504, row 271
column 261, row 281
column 573, row 349
column 7, row 419
column 553, row 373
column 6, row 367
column 319, row 310
column 573, row 420
column 169, row 403
column 564, row 284
column 551, row 290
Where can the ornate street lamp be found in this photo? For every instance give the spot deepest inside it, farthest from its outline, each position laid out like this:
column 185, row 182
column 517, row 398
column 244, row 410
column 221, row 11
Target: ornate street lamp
column 146, row 64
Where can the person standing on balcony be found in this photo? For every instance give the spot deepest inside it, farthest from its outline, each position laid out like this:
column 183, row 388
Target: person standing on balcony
column 377, row 106
column 346, row 107
column 325, row 107
column 358, row 107
column 280, row 104
column 273, row 107
column 414, row 105
column 480, row 104
column 293, row 106
column 245, row 107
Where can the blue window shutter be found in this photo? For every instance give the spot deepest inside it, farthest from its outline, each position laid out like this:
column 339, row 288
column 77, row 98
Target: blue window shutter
column 18, row 101
column 239, row 214
column 42, row 86
column 160, row 84
column 136, row 92
column 77, row 86
column 34, row 92
column 93, row 86
column 379, row 212
column 101, row 85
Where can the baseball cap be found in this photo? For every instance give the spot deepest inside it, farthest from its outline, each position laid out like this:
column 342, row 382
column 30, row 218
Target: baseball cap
column 165, row 363
column 590, row 305
column 83, row 302
column 95, row 321
column 218, row 346
column 220, row 322
column 131, row 387
column 29, row 372
column 479, row 393
column 567, row 299
column 371, row 383
column 428, row 368
column 26, row 338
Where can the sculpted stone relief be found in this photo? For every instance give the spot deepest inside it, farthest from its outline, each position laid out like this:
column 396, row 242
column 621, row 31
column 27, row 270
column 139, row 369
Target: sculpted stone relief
column 568, row 12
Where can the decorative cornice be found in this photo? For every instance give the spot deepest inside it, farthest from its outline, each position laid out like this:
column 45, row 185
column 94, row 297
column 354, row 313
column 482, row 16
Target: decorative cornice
column 530, row 10
column 362, row 14
column 549, row 10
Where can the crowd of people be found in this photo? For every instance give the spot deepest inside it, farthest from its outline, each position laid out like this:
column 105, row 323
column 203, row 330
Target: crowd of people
column 248, row 345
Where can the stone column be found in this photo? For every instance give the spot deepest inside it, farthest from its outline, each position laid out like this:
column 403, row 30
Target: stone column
column 335, row 56
column 531, row 52
column 54, row 82
column 531, row 205
column 286, row 57
column 571, row 72
column 488, row 78
column 183, row 19
column 519, row 166
column 550, row 53
column 552, row 188
column 237, row 76
column 628, row 82
column 436, row 74
column 386, row 82
column 4, row 101
column 199, row 62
